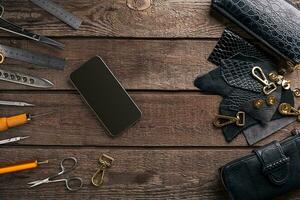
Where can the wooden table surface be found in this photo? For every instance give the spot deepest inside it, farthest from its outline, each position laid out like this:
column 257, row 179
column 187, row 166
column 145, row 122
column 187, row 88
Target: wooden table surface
column 174, row 152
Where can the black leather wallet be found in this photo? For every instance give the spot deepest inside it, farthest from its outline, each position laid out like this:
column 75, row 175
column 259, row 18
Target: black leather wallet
column 275, row 23
column 268, row 172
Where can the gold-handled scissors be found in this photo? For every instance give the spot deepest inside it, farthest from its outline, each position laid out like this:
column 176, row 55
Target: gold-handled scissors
column 13, row 28
column 72, row 183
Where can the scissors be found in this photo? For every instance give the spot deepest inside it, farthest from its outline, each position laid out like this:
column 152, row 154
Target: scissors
column 72, row 183
column 13, row 28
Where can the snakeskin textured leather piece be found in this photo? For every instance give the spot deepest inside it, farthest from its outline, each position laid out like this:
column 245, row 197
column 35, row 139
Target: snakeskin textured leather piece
column 231, row 44
column 276, row 23
column 237, row 73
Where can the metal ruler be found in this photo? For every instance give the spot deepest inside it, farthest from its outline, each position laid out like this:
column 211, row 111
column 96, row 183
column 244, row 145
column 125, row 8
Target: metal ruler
column 59, row 12
column 32, row 57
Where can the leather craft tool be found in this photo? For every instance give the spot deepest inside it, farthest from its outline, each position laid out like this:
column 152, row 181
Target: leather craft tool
column 27, row 165
column 17, row 120
column 105, row 162
column 12, row 140
column 24, row 79
column 16, row 103
column 13, row 28
column 269, row 87
column 222, row 120
column 59, row 12
column 72, row 183
column 39, row 59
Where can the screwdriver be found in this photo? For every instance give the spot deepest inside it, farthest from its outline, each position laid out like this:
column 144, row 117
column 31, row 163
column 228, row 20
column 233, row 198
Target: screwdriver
column 17, row 120
column 27, row 165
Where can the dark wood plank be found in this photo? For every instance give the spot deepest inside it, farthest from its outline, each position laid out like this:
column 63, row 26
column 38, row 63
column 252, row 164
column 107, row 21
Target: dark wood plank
column 116, row 19
column 169, row 119
column 136, row 174
column 138, row 64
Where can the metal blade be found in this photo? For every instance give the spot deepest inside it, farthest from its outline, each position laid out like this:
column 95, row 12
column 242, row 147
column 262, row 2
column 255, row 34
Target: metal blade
column 51, row 42
column 12, row 140
column 16, row 103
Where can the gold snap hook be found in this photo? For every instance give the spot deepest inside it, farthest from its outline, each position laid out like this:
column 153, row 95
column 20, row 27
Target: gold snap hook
column 269, row 87
column 105, row 162
column 223, row 120
column 288, row 110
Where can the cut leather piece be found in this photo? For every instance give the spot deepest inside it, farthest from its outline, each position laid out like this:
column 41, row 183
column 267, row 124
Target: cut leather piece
column 275, row 164
column 266, row 112
column 231, row 44
column 259, row 132
column 274, row 22
column 245, row 179
column 237, row 72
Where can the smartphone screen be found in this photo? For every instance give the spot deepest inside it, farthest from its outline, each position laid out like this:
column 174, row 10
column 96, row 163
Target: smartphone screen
column 105, row 95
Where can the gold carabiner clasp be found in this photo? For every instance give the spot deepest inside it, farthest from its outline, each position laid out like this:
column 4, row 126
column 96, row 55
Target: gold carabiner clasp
column 223, row 120
column 269, row 87
column 105, row 162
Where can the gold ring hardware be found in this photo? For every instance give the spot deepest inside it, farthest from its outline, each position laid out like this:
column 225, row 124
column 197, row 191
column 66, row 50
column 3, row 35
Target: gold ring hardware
column 280, row 80
column 288, row 110
column 269, row 87
column 105, row 162
column 2, row 57
column 223, row 120
column 258, row 103
column 296, row 92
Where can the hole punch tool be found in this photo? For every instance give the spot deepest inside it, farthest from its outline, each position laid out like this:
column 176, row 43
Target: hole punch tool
column 18, row 120
column 269, row 87
column 72, row 183
column 22, row 166
column 13, row 28
column 105, row 162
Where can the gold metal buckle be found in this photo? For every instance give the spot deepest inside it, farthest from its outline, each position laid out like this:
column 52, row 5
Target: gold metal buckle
column 223, row 120
column 105, row 162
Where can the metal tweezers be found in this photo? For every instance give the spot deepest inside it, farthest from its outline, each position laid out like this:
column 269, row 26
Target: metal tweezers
column 13, row 28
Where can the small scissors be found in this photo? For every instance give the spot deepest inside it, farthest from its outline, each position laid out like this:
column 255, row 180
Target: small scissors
column 72, row 183
column 13, row 28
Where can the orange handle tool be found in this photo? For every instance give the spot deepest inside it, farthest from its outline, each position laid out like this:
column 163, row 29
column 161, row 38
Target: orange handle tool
column 19, row 167
column 9, row 122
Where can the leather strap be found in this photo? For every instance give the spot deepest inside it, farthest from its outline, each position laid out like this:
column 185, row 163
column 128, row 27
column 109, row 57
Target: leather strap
column 275, row 164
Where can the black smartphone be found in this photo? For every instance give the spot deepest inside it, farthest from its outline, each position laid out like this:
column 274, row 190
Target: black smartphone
column 106, row 96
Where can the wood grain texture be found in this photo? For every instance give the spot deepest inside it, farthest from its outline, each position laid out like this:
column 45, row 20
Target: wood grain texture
column 163, row 19
column 138, row 64
column 169, row 119
column 135, row 174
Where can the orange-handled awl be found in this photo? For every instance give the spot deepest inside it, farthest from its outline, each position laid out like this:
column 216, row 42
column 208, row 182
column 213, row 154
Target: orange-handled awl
column 17, row 120
column 20, row 166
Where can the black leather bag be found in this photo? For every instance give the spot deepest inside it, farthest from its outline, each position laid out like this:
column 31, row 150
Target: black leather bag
column 275, row 23
column 268, row 172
